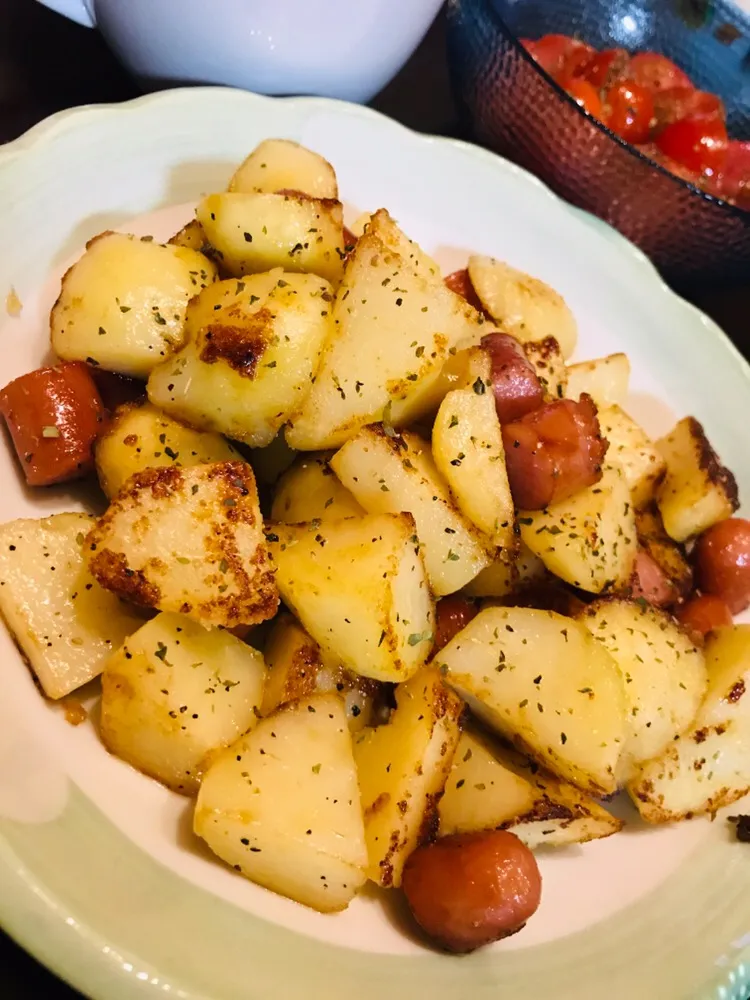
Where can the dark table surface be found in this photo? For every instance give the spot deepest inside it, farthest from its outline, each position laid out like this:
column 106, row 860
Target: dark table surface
column 47, row 63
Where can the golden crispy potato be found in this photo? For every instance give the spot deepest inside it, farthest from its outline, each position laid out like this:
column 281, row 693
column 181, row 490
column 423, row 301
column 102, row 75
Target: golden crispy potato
column 509, row 572
column 521, row 305
column 540, row 680
column 549, row 363
column 282, row 165
column 251, row 233
column 397, row 473
column 360, row 589
column 403, row 767
column 139, row 436
column 664, row 672
column 491, row 787
column 188, row 540
column 395, row 325
column 252, row 351
column 634, row 451
column 282, row 806
column 709, row 765
column 176, row 691
column 588, row 540
column 697, row 491
column 123, row 304
column 65, row 625
column 191, row 236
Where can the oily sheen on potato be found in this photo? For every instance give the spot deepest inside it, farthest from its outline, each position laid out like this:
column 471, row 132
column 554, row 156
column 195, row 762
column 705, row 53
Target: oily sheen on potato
column 541, row 681
column 360, row 589
column 282, row 165
column 281, row 805
column 309, row 489
column 175, row 691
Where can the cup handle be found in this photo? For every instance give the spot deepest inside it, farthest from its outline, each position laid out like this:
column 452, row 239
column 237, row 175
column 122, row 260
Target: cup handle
column 76, row 10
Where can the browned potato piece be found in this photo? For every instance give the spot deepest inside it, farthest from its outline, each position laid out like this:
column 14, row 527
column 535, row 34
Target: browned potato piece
column 547, row 358
column 190, row 236
column 188, row 540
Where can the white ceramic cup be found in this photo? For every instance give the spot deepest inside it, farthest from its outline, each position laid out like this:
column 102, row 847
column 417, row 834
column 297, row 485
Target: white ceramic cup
column 334, row 48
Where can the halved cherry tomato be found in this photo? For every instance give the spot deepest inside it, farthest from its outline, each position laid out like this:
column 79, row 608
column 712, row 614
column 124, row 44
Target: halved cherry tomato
column 629, row 109
column 603, row 69
column 584, row 94
column 557, row 53
column 700, row 144
column 655, row 72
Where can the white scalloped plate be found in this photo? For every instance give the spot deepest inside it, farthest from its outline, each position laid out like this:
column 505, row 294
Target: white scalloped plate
column 99, row 874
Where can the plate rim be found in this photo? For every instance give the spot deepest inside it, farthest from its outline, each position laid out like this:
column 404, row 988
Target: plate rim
column 80, row 963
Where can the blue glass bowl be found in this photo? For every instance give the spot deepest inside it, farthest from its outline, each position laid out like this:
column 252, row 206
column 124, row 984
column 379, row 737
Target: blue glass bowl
column 514, row 107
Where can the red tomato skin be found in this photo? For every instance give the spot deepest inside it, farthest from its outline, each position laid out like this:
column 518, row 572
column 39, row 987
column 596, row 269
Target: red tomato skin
column 603, row 69
column 697, row 143
column 584, row 94
column 703, row 613
column 722, row 562
column 655, row 72
column 557, row 54
column 629, row 111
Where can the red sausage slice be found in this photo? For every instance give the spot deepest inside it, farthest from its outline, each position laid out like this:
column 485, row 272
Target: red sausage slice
column 515, row 382
column 460, row 283
column 650, row 582
column 54, row 416
column 554, row 452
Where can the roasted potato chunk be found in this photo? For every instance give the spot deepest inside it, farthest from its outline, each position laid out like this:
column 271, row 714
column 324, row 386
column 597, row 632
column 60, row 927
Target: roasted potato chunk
column 467, row 447
column 668, row 555
column 491, row 787
column 310, row 490
column 521, row 305
column 282, row 165
column 395, row 324
column 510, row 572
column 588, row 540
column 403, row 767
column 360, row 589
column 191, row 236
column 697, row 491
column 388, row 474
column 65, row 625
column 188, row 540
column 140, row 436
column 252, row 351
column 709, row 765
column 606, row 380
column 281, row 806
column 252, row 233
column 123, row 304
column 549, row 363
column 540, row 680
column 634, row 451
column 297, row 669
column 175, row 691
column 664, row 672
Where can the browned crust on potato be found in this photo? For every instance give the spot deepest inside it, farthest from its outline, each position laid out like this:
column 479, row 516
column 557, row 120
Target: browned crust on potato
column 241, row 347
column 111, row 570
column 709, row 462
column 191, row 236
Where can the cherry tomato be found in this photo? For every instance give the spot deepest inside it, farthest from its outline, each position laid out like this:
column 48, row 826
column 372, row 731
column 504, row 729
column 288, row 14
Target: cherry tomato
column 722, row 562
column 470, row 889
column 684, row 102
column 558, row 53
column 452, row 614
column 655, row 72
column 584, row 94
column 704, row 613
column 700, row 144
column 629, row 110
column 603, row 69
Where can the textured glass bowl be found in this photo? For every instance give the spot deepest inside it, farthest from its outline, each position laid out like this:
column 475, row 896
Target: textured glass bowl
column 514, row 107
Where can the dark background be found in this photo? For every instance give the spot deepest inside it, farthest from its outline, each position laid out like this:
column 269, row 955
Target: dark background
column 47, row 63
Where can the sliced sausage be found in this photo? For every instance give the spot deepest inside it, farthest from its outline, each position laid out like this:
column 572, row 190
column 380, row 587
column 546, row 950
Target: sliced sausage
column 554, row 452
column 704, row 613
column 650, row 581
column 460, row 283
column 54, row 416
column 470, row 889
column 452, row 614
column 517, row 387
column 722, row 562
